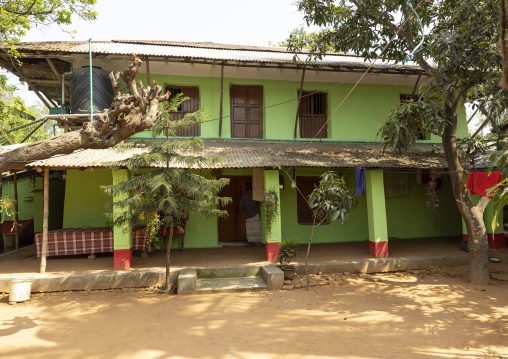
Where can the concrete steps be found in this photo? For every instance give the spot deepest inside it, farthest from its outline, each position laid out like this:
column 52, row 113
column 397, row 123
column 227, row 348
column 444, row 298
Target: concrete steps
column 230, row 285
column 229, row 279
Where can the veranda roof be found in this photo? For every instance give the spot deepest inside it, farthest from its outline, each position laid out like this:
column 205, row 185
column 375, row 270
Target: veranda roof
column 245, row 153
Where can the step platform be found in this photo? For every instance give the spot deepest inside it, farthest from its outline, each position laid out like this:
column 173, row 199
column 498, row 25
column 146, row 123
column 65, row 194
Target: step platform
column 230, row 285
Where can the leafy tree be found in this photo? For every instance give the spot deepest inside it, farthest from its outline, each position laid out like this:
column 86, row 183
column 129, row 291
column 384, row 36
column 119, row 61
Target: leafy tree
column 299, row 37
column 19, row 16
column 14, row 113
column 330, row 200
column 460, row 53
column 167, row 194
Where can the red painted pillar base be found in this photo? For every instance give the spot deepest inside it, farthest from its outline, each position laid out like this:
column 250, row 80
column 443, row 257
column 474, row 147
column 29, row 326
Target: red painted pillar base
column 379, row 249
column 464, row 238
column 496, row 240
column 271, row 251
column 122, row 258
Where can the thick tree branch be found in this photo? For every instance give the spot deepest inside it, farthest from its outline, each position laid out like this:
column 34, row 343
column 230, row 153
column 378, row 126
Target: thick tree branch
column 482, row 204
column 129, row 114
column 502, row 39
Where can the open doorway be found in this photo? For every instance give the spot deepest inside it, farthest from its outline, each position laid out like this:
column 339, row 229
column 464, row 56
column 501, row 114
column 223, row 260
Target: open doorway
column 232, row 227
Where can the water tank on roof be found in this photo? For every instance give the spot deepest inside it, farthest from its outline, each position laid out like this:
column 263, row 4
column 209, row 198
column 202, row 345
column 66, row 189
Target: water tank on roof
column 103, row 94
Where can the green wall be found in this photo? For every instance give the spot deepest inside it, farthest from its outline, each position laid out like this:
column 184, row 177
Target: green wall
column 25, row 198
column 359, row 118
column 409, row 217
column 85, row 202
column 354, row 230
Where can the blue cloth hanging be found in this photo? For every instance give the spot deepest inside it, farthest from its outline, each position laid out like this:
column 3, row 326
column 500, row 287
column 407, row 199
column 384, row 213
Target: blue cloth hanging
column 360, row 181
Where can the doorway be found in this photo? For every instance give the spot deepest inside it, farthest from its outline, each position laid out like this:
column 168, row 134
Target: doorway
column 232, row 227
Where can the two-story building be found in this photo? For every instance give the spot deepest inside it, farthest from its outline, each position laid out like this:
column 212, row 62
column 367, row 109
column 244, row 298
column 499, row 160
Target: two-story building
column 280, row 119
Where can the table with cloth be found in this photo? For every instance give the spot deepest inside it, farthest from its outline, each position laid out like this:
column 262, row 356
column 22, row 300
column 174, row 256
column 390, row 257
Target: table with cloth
column 71, row 241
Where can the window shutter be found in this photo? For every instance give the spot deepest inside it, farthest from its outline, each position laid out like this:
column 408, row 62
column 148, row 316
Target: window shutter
column 306, row 185
column 313, row 115
column 189, row 106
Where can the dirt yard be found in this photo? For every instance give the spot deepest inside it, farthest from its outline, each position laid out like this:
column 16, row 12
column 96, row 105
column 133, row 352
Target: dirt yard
column 421, row 314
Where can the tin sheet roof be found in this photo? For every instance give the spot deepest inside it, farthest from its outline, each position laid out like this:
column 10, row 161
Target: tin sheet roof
column 208, row 51
column 270, row 153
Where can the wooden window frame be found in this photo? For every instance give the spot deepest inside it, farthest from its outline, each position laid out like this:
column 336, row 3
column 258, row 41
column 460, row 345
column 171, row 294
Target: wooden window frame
column 194, row 131
column 305, row 185
column 308, row 120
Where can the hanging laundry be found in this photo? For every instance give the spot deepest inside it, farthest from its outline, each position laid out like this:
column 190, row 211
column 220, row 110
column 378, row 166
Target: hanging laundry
column 258, row 184
column 360, row 181
column 481, row 182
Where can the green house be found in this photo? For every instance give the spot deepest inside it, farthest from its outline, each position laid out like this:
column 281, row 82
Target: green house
column 262, row 129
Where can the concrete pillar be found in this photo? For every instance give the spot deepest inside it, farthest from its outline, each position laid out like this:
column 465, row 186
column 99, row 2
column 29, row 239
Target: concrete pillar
column 495, row 231
column 122, row 235
column 376, row 211
column 273, row 237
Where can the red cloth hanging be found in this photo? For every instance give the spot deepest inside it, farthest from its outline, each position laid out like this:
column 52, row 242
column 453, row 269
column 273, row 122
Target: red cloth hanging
column 481, row 182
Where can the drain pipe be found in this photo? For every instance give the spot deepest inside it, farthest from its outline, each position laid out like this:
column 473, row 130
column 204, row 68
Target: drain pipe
column 63, row 94
column 91, row 84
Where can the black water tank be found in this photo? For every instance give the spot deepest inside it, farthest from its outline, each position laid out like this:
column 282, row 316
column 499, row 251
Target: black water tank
column 103, row 94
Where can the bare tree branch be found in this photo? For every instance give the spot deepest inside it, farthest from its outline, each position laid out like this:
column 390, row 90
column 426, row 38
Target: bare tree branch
column 130, row 113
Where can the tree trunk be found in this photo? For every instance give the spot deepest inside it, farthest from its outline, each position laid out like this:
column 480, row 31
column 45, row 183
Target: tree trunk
column 168, row 253
column 472, row 215
column 130, row 113
column 314, row 226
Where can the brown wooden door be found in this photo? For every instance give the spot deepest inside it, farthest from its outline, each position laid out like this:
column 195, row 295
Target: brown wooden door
column 232, row 227
column 246, row 111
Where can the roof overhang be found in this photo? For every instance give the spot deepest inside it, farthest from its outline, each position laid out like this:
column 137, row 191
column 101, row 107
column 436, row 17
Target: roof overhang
column 244, row 153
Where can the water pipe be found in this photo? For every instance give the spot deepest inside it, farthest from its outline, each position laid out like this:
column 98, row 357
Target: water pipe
column 62, row 104
column 409, row 57
column 91, row 83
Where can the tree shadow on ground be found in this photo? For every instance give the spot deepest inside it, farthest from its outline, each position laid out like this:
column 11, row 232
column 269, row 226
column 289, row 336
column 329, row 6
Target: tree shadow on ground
column 396, row 316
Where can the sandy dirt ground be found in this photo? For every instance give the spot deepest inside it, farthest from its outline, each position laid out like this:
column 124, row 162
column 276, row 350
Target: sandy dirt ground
column 432, row 313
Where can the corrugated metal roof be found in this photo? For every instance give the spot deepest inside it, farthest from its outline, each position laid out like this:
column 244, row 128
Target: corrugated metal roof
column 266, row 153
column 209, row 51
column 214, row 45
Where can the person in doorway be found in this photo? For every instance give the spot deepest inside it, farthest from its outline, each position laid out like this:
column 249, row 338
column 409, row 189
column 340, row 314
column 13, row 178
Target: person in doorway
column 252, row 218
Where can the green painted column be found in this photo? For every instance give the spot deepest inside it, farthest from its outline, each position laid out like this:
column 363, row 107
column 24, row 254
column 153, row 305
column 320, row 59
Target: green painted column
column 376, row 213
column 122, row 235
column 495, row 231
column 272, row 237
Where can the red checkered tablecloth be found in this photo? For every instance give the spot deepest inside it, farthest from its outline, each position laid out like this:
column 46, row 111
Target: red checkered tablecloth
column 69, row 241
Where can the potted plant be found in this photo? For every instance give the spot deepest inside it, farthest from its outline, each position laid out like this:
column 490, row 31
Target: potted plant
column 287, row 251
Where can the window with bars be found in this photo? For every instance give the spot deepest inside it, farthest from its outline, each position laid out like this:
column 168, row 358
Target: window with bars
column 189, row 106
column 405, row 98
column 306, row 185
column 313, row 115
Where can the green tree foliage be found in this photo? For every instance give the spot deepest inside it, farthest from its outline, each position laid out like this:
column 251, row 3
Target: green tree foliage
column 460, row 53
column 19, row 16
column 14, row 113
column 301, row 38
column 329, row 201
column 166, row 194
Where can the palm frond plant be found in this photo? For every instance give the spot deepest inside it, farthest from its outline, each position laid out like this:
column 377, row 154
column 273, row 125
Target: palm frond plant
column 171, row 190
